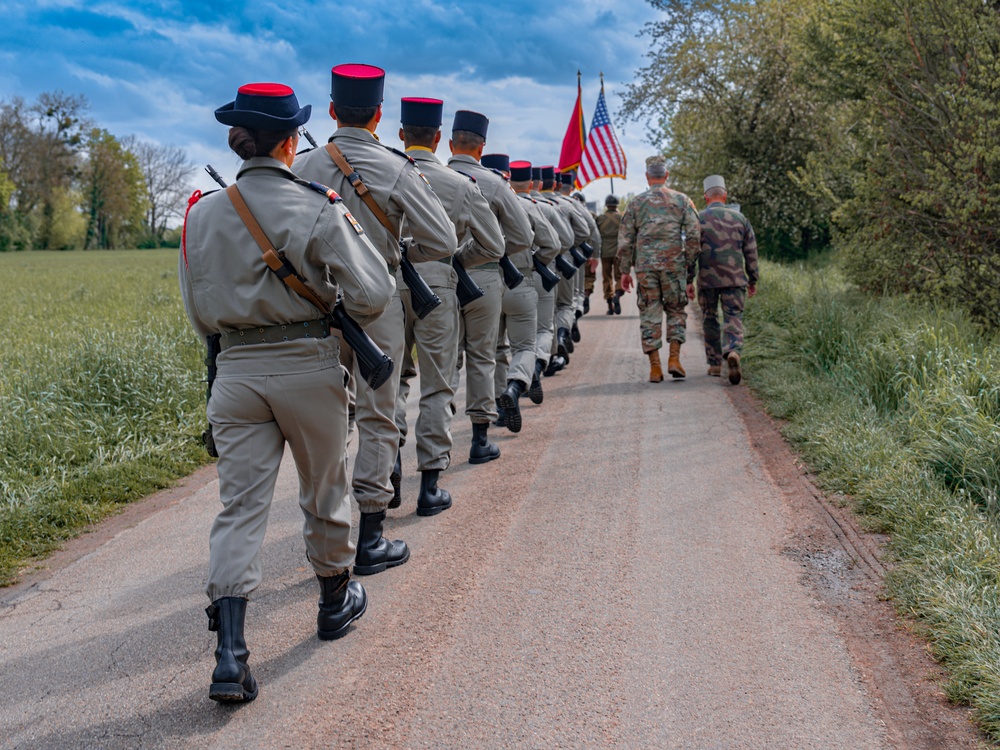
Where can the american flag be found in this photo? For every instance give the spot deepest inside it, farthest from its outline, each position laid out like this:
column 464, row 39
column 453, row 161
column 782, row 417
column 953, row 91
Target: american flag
column 602, row 155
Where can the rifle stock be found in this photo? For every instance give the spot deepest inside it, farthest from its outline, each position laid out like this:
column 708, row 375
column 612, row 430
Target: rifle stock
column 422, row 297
column 511, row 275
column 549, row 279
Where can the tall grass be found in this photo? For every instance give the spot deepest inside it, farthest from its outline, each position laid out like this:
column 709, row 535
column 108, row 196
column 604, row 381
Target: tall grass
column 101, row 398
column 897, row 405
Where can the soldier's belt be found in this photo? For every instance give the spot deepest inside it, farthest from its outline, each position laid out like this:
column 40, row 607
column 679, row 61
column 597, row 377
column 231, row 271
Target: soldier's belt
column 490, row 266
column 303, row 329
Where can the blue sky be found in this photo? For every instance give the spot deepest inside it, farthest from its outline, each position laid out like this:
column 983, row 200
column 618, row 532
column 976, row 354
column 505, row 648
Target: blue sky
column 158, row 69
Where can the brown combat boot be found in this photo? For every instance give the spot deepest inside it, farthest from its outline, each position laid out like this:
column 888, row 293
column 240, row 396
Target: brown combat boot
column 715, row 371
column 655, row 369
column 674, row 360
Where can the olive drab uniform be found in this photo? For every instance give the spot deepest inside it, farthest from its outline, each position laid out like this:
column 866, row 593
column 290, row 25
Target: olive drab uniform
column 436, row 336
column 294, row 390
column 479, row 320
column 611, row 277
column 726, row 264
column 400, row 191
column 659, row 238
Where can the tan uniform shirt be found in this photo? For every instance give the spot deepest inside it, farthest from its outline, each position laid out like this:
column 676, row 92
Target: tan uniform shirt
column 476, row 227
column 398, row 188
column 557, row 220
column 581, row 230
column 226, row 285
column 546, row 244
column 503, row 202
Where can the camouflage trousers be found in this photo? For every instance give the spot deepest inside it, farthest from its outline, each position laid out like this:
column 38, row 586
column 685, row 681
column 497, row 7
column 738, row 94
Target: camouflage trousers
column 659, row 292
column 719, row 342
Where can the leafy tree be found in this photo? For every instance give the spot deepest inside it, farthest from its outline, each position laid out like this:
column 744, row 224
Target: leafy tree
column 114, row 193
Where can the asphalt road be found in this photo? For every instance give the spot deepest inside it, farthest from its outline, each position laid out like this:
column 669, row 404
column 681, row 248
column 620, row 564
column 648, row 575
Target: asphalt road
column 616, row 579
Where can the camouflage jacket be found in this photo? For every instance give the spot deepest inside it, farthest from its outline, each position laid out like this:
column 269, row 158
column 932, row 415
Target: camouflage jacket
column 608, row 224
column 659, row 231
column 727, row 246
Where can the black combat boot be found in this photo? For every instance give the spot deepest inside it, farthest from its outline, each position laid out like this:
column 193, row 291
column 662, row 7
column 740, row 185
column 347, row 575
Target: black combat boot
column 231, row 680
column 611, row 306
column 375, row 552
column 396, row 477
column 535, row 390
column 618, row 303
column 563, row 345
column 433, row 499
column 556, row 364
column 482, row 449
column 341, row 602
column 508, row 400
column 501, row 416
column 575, row 333
column 586, row 304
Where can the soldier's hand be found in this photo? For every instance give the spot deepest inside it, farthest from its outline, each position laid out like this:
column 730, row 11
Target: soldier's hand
column 751, row 290
column 690, row 292
column 627, row 282
column 592, row 265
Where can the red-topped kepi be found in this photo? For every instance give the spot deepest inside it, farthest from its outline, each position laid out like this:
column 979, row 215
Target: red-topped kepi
column 357, row 85
column 264, row 106
column 520, row 171
column 420, row 112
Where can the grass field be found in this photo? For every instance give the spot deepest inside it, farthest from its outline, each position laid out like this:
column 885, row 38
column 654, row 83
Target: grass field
column 898, row 407
column 101, row 399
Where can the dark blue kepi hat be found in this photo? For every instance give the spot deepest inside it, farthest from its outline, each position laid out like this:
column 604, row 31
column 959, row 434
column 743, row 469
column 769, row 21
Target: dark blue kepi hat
column 548, row 174
column 499, row 162
column 421, row 113
column 520, row 171
column 568, row 177
column 536, row 174
column 264, row 106
column 471, row 121
column 357, row 85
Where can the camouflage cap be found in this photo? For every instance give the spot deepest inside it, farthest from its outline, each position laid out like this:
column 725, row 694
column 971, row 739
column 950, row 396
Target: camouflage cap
column 656, row 166
column 714, row 181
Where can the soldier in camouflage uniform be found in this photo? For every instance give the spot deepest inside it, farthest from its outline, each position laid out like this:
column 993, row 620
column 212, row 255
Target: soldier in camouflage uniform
column 659, row 237
column 608, row 224
column 727, row 273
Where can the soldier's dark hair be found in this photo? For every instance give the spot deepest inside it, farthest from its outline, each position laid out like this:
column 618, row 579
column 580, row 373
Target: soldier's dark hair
column 467, row 140
column 548, row 184
column 250, row 143
column 417, row 135
column 356, row 117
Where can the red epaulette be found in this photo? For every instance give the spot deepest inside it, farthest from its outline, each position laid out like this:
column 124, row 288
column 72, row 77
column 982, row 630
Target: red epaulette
column 195, row 197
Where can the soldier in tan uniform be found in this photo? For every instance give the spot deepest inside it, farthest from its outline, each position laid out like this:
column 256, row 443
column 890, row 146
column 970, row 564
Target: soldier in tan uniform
column 279, row 376
column 398, row 191
column 585, row 280
column 566, row 297
column 558, row 352
column 544, row 248
column 480, row 320
column 611, row 277
column 515, row 357
column 436, row 336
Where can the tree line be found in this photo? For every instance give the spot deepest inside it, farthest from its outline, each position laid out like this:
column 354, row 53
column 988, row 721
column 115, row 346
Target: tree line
column 872, row 126
column 66, row 183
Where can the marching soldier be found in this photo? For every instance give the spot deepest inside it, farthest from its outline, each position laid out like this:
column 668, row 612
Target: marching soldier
column 558, row 353
column 544, row 248
column 659, row 238
column 390, row 188
column 480, row 320
column 727, row 275
column 567, row 180
column 279, row 377
column 436, row 335
column 515, row 358
column 608, row 224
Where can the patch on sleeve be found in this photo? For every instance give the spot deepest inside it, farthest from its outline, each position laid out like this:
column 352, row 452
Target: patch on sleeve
column 350, row 217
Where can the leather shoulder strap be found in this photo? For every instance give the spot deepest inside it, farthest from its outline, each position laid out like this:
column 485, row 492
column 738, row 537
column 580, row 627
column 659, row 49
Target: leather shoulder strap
column 277, row 262
column 360, row 188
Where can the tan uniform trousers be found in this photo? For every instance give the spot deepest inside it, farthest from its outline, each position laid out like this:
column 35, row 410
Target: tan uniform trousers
column 611, row 277
column 579, row 292
column 252, row 417
column 436, row 340
column 374, row 413
column 544, row 333
column 516, row 336
column 566, row 302
column 479, row 323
